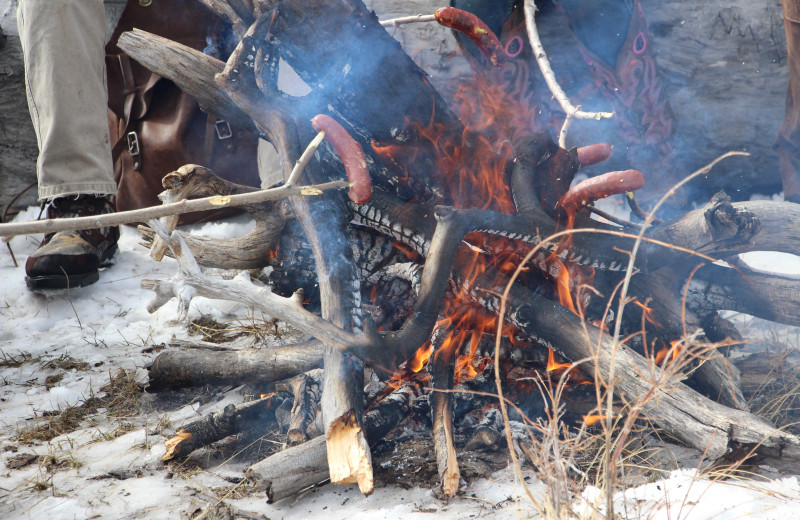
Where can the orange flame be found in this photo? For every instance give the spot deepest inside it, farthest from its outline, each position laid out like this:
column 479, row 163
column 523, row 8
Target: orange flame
column 593, row 419
column 421, row 357
column 670, row 353
column 552, row 364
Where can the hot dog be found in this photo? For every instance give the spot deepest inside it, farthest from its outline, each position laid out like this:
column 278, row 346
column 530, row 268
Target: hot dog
column 351, row 154
column 593, row 154
column 473, row 28
column 600, row 187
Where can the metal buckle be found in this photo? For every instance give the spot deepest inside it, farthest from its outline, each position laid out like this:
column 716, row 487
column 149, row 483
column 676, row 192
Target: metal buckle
column 133, row 143
column 223, row 129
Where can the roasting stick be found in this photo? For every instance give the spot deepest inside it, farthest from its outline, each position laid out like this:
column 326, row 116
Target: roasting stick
column 569, row 109
column 166, row 210
column 394, row 22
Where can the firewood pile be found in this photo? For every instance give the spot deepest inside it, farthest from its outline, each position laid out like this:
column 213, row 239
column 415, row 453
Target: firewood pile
column 460, row 246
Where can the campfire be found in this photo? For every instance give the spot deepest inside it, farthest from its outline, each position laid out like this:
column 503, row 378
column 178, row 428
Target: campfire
column 460, row 274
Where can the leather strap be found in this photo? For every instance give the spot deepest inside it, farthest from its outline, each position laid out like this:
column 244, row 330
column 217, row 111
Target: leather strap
column 208, row 142
column 130, row 95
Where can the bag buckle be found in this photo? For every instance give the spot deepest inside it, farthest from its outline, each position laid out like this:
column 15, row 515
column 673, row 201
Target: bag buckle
column 133, row 143
column 223, row 129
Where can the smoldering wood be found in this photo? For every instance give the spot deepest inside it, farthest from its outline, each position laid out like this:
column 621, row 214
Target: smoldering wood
column 442, row 371
column 304, row 389
column 193, row 367
column 290, row 471
column 221, row 424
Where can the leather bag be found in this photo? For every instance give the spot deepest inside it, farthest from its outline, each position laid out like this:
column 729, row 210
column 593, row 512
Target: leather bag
column 155, row 126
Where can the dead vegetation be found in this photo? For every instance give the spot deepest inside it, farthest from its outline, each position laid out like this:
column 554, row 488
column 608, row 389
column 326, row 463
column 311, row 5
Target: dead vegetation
column 120, row 400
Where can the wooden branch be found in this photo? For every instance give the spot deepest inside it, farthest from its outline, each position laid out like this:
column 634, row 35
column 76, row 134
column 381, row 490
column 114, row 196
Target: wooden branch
column 191, row 282
column 184, row 368
column 190, row 181
column 744, row 226
column 323, row 223
column 305, row 391
column 768, row 296
column 145, row 214
column 251, row 251
column 218, row 425
column 571, row 111
column 227, row 12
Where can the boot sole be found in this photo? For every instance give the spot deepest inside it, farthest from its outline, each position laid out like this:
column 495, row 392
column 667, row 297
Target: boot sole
column 59, row 281
column 54, row 281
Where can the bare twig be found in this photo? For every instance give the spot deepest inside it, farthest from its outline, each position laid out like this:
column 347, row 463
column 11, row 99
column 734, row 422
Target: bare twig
column 154, row 212
column 569, row 109
column 297, row 171
column 394, row 22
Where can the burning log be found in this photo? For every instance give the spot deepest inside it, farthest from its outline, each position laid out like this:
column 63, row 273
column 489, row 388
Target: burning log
column 218, row 425
column 184, row 368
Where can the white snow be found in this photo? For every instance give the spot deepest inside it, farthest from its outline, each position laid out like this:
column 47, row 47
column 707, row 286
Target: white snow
column 121, row 476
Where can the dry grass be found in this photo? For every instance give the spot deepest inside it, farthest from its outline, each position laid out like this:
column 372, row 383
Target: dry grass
column 121, row 399
column 260, row 329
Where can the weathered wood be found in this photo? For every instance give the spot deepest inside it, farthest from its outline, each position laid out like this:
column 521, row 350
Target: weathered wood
column 183, row 368
column 250, row 251
column 768, row 296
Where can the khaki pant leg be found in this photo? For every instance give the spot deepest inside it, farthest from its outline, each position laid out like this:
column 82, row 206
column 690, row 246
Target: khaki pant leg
column 63, row 48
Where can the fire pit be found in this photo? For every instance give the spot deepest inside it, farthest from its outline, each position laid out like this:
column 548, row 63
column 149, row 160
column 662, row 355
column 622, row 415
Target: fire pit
column 462, row 280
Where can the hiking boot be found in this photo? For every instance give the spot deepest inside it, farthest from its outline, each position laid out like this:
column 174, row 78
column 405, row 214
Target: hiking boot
column 72, row 258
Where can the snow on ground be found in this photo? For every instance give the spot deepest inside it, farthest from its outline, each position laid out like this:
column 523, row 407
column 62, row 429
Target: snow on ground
column 110, row 467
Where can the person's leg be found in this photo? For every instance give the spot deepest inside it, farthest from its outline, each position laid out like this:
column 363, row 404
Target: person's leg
column 788, row 144
column 63, row 46
column 63, row 50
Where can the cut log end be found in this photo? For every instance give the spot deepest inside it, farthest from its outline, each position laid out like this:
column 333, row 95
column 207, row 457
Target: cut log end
column 349, row 457
column 174, row 444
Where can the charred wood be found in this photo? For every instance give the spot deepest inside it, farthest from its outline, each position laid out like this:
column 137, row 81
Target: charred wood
column 218, row 425
column 305, row 390
column 442, row 371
